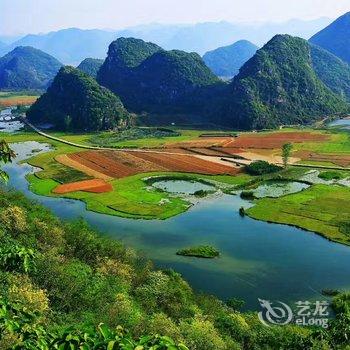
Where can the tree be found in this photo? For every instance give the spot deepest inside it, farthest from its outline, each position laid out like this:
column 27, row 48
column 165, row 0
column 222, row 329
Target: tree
column 286, row 152
column 67, row 122
column 6, row 156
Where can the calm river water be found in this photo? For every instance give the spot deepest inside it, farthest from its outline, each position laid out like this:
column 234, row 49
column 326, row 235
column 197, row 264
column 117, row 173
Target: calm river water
column 258, row 259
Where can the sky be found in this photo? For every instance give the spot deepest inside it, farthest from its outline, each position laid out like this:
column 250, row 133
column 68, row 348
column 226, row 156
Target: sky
column 35, row 16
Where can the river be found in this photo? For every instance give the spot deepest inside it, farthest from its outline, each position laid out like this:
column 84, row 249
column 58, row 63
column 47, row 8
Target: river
column 258, row 259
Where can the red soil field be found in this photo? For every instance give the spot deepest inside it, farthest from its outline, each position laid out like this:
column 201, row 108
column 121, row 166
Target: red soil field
column 94, row 185
column 123, row 164
column 274, row 140
column 187, row 163
column 114, row 164
column 337, row 159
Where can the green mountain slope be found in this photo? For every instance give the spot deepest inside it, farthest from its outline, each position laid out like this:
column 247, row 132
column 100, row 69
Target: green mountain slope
column 27, row 68
column 91, row 66
column 333, row 72
column 336, row 38
column 278, row 85
column 226, row 61
column 75, row 101
column 150, row 79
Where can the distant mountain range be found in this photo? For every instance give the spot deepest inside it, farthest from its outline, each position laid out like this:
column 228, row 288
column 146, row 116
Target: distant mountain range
column 336, row 38
column 71, row 46
column 288, row 81
column 27, row 68
column 227, row 60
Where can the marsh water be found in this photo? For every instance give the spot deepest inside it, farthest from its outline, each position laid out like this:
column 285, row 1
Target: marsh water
column 343, row 123
column 258, row 259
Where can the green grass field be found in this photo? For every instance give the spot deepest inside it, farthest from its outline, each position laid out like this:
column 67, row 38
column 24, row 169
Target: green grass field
column 324, row 209
column 131, row 196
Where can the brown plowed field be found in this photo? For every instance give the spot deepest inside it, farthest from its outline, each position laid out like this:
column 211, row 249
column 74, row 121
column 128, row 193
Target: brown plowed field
column 94, row 185
column 187, row 163
column 114, row 164
column 274, row 140
column 337, row 159
column 123, row 164
column 206, row 152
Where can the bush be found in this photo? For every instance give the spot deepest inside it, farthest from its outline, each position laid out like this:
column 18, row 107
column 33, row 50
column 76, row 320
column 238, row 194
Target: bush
column 261, row 167
column 331, row 175
column 249, row 195
column 204, row 251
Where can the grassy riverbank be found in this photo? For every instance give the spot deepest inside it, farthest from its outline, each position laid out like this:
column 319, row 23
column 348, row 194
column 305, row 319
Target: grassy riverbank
column 131, row 196
column 324, row 209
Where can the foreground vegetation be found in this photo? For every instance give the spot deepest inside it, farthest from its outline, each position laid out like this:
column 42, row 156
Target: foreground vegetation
column 60, row 280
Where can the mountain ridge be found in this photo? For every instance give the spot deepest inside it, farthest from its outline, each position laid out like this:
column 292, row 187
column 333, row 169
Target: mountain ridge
column 75, row 102
column 335, row 38
column 226, row 61
column 199, row 37
column 278, row 86
column 27, row 68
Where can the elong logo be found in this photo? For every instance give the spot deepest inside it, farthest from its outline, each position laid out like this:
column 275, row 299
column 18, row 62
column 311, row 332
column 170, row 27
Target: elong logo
column 307, row 313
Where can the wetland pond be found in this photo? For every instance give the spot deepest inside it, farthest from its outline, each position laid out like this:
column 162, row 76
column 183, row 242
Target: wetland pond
column 257, row 259
column 185, row 187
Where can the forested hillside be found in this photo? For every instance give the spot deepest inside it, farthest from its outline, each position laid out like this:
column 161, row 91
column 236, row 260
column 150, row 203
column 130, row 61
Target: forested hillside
column 279, row 86
column 91, row 66
column 76, row 102
column 150, row 79
column 335, row 38
column 27, row 68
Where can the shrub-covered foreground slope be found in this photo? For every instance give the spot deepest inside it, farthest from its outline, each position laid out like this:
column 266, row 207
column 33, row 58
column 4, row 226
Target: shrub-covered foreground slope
column 75, row 102
column 56, row 274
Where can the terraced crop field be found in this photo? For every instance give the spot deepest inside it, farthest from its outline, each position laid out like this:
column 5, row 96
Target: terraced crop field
column 124, row 164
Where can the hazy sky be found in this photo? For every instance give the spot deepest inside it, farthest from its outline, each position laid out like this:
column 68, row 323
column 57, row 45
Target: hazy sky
column 33, row 16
